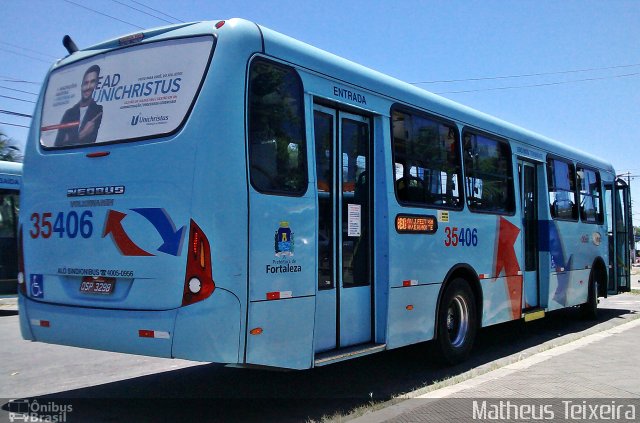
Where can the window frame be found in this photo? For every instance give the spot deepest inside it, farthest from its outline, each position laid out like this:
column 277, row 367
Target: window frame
column 551, row 157
column 172, row 133
column 305, row 141
column 600, row 215
column 401, row 108
column 512, row 190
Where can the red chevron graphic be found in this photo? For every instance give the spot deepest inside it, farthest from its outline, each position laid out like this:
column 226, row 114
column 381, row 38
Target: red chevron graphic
column 507, row 260
column 113, row 226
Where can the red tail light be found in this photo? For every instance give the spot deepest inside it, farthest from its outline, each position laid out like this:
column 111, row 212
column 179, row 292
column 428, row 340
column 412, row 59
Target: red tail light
column 22, row 284
column 198, row 281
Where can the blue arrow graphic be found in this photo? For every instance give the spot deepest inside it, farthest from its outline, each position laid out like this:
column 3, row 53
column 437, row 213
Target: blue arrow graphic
column 161, row 220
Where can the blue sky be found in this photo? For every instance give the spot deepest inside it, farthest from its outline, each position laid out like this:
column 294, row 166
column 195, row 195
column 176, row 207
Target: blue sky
column 586, row 54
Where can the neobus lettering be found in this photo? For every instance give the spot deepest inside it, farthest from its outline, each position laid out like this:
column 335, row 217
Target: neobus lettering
column 108, row 190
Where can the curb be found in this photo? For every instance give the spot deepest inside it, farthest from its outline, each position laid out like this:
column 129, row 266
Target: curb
column 410, row 401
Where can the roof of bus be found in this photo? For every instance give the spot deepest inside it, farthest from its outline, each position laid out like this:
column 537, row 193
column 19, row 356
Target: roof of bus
column 10, row 168
column 318, row 60
column 306, row 56
column 10, row 175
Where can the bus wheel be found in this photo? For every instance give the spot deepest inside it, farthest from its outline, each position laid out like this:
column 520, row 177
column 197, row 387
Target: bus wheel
column 457, row 322
column 589, row 310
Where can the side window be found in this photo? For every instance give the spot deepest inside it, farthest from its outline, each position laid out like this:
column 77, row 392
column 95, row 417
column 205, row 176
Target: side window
column 426, row 162
column 488, row 174
column 9, row 209
column 8, row 213
column 590, row 196
column 561, row 177
column 277, row 145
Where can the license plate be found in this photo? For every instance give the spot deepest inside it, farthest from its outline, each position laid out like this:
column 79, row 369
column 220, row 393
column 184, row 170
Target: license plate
column 99, row 285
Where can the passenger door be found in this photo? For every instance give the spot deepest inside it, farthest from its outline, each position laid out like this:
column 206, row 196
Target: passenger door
column 343, row 168
column 529, row 202
column 618, row 223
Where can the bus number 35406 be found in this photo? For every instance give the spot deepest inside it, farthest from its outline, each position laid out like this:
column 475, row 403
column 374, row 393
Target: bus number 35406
column 464, row 237
column 70, row 224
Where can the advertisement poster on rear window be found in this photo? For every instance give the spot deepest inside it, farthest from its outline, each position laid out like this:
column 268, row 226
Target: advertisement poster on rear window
column 130, row 93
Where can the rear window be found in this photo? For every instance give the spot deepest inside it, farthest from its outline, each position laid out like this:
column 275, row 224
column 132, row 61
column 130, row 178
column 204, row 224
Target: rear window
column 127, row 94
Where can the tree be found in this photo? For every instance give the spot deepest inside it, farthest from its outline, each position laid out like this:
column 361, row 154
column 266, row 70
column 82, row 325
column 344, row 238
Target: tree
column 8, row 151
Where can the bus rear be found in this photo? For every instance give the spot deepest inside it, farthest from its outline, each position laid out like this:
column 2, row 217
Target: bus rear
column 124, row 196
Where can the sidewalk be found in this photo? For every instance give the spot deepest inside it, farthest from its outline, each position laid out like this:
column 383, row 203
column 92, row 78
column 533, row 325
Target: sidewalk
column 582, row 380
column 9, row 303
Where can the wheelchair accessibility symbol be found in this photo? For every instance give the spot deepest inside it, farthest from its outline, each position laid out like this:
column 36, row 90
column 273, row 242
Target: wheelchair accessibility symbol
column 37, row 286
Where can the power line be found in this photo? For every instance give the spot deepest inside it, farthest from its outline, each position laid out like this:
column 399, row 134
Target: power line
column 18, row 99
column 9, row 112
column 539, row 85
column 142, row 11
column 155, row 10
column 20, row 91
column 526, row 75
column 25, row 55
column 14, row 124
column 16, row 80
column 27, row 49
column 103, row 14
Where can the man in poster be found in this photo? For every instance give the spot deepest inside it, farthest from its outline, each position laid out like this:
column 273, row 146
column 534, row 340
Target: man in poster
column 80, row 123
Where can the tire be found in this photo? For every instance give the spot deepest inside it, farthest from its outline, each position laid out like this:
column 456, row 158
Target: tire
column 457, row 322
column 589, row 310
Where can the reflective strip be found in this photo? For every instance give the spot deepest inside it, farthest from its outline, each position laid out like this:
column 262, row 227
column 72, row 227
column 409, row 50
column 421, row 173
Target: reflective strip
column 484, row 276
column 41, row 323
column 276, row 295
column 412, row 282
column 145, row 333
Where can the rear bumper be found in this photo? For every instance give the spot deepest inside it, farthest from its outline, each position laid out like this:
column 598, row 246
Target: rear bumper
column 206, row 331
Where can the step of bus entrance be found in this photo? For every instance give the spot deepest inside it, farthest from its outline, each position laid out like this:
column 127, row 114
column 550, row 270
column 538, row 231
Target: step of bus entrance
column 532, row 314
column 341, row 354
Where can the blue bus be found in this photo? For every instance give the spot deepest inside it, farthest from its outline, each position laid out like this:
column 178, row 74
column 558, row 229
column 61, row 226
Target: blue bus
column 217, row 191
column 10, row 182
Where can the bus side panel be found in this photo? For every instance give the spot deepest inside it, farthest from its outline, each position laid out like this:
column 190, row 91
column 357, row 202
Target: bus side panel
column 571, row 253
column 497, row 305
column 569, row 288
column 209, row 330
column 102, row 329
column 411, row 314
column 286, row 339
column 25, row 327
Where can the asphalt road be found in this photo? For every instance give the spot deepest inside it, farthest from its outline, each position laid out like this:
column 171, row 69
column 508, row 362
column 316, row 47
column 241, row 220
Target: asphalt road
column 104, row 386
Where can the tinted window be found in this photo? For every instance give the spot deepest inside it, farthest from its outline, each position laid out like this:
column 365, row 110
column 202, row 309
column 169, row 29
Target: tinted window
column 590, row 196
column 8, row 234
column 488, row 174
column 277, row 147
column 562, row 189
column 426, row 161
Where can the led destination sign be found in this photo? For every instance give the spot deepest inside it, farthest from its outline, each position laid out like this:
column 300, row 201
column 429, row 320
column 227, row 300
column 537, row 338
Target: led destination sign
column 416, row 224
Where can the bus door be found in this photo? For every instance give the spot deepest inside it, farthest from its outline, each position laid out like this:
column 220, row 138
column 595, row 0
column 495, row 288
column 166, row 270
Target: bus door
column 618, row 222
column 527, row 172
column 343, row 168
